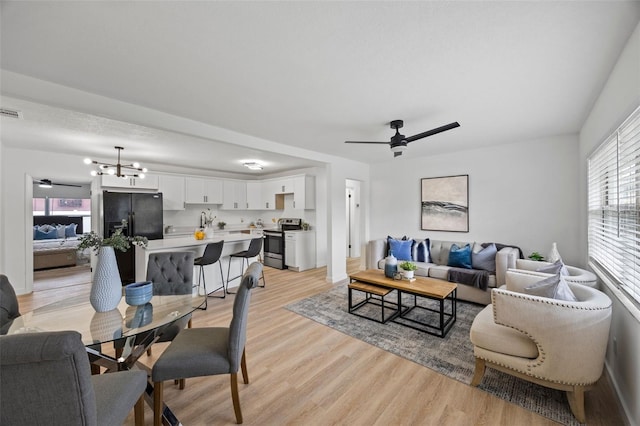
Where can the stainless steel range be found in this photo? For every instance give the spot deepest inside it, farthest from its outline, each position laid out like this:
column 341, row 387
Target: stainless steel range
column 274, row 242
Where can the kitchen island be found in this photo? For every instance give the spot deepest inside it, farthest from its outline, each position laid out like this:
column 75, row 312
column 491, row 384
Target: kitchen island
column 232, row 243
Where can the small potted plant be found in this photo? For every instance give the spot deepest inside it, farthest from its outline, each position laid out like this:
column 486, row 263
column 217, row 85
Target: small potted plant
column 536, row 256
column 221, row 225
column 408, row 269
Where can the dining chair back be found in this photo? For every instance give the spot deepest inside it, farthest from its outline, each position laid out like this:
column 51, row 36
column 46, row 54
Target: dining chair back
column 209, row 351
column 46, row 379
column 9, row 309
column 171, row 272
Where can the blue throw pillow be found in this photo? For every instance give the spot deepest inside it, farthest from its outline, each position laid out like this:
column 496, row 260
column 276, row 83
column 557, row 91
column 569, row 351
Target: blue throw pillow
column 70, row 230
column 460, row 257
column 52, row 234
column 421, row 251
column 401, row 249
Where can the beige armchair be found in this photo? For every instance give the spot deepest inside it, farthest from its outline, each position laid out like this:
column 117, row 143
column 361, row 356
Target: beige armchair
column 550, row 342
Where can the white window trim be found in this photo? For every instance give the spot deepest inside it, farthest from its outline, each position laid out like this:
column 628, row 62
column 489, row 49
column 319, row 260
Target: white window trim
column 619, row 294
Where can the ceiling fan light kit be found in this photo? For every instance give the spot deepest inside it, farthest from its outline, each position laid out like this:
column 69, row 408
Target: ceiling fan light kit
column 398, row 142
column 124, row 171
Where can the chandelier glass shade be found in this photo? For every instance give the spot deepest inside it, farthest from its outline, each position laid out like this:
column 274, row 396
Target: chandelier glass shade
column 120, row 170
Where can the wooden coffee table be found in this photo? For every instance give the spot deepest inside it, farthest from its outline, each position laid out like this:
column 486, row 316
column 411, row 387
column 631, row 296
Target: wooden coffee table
column 422, row 287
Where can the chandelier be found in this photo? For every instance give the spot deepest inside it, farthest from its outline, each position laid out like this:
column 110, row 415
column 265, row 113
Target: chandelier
column 120, row 170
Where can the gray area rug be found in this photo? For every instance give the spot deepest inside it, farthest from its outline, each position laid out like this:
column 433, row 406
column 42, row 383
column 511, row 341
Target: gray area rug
column 451, row 356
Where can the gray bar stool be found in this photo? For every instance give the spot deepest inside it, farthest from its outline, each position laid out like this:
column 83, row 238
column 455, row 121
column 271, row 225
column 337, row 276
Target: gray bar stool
column 211, row 255
column 255, row 245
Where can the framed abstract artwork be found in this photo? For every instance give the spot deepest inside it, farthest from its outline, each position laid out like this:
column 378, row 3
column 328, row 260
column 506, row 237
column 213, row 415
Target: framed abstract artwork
column 445, row 203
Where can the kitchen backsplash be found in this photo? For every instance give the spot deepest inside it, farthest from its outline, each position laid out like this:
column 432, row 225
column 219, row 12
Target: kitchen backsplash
column 190, row 216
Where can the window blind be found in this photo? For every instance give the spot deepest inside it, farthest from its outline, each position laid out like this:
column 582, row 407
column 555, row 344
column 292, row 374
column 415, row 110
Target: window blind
column 614, row 206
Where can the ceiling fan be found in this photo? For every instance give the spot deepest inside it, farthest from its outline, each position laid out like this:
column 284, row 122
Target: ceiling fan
column 398, row 142
column 46, row 183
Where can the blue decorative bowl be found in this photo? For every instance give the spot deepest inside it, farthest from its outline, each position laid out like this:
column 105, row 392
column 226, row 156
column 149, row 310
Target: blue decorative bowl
column 138, row 293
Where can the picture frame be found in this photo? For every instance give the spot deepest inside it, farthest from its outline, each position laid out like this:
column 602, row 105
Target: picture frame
column 444, row 203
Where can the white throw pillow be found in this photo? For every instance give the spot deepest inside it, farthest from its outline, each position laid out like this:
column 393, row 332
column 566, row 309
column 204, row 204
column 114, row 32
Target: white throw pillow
column 554, row 287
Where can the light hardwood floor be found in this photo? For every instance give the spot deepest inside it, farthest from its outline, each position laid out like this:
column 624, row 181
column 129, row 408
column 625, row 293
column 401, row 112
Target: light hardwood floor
column 303, row 373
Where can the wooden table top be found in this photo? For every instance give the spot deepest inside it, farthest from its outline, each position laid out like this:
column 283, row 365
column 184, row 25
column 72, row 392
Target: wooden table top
column 424, row 286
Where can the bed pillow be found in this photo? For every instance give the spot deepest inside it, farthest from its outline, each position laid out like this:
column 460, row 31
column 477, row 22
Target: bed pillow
column 485, row 259
column 460, row 257
column 420, row 252
column 60, row 229
column 554, row 287
column 70, row 230
column 401, row 249
column 52, row 234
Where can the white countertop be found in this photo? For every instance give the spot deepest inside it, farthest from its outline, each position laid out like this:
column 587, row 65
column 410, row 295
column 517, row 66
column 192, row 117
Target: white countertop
column 190, row 241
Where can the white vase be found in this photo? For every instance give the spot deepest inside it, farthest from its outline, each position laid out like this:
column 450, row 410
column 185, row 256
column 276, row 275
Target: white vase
column 553, row 255
column 106, row 290
column 209, row 232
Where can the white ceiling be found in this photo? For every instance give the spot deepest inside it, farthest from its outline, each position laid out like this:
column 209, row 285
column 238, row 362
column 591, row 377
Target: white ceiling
column 309, row 74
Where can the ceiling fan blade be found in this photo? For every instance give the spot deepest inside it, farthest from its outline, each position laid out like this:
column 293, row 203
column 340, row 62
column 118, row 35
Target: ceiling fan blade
column 48, row 183
column 433, row 131
column 386, row 143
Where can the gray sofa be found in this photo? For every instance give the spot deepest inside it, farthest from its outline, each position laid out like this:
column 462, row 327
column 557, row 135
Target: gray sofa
column 376, row 252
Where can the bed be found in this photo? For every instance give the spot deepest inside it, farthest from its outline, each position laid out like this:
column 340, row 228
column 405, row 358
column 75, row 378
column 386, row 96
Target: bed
column 56, row 241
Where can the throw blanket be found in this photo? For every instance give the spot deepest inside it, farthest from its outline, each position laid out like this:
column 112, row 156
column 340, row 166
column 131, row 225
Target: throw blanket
column 473, row 277
column 501, row 246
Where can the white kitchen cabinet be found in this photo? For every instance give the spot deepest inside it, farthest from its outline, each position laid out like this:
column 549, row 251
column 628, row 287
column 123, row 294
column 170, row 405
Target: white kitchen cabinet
column 254, row 195
column 112, row 181
column 173, row 192
column 300, row 250
column 283, row 186
column 234, row 195
column 203, row 191
column 304, row 192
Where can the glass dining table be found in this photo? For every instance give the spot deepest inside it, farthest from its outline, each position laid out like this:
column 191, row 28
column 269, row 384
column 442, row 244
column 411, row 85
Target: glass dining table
column 123, row 324
column 132, row 328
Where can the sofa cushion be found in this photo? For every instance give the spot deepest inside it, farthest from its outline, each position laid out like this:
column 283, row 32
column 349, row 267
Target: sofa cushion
column 401, row 249
column 439, row 271
column 460, row 257
column 486, row 334
column 485, row 258
column 554, row 287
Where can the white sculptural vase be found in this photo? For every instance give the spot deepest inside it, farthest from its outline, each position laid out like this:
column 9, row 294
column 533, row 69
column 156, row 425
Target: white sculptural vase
column 106, row 290
column 553, row 255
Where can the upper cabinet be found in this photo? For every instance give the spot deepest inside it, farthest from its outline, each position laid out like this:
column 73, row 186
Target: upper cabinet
column 261, row 195
column 111, row 181
column 234, row 195
column 304, row 192
column 203, row 191
column 282, row 186
column 173, row 192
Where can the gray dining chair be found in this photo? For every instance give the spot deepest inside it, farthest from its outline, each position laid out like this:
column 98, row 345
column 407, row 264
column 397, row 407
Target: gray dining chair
column 209, row 351
column 171, row 274
column 9, row 309
column 46, row 380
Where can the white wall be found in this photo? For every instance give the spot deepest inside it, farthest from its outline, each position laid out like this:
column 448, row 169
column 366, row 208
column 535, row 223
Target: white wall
column 18, row 168
column 618, row 98
column 522, row 194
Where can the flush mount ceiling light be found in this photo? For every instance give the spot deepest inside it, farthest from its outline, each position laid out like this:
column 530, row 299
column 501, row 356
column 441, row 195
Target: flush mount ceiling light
column 120, row 170
column 253, row 165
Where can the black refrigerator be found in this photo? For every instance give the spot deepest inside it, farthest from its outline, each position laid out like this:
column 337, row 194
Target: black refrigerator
column 143, row 213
